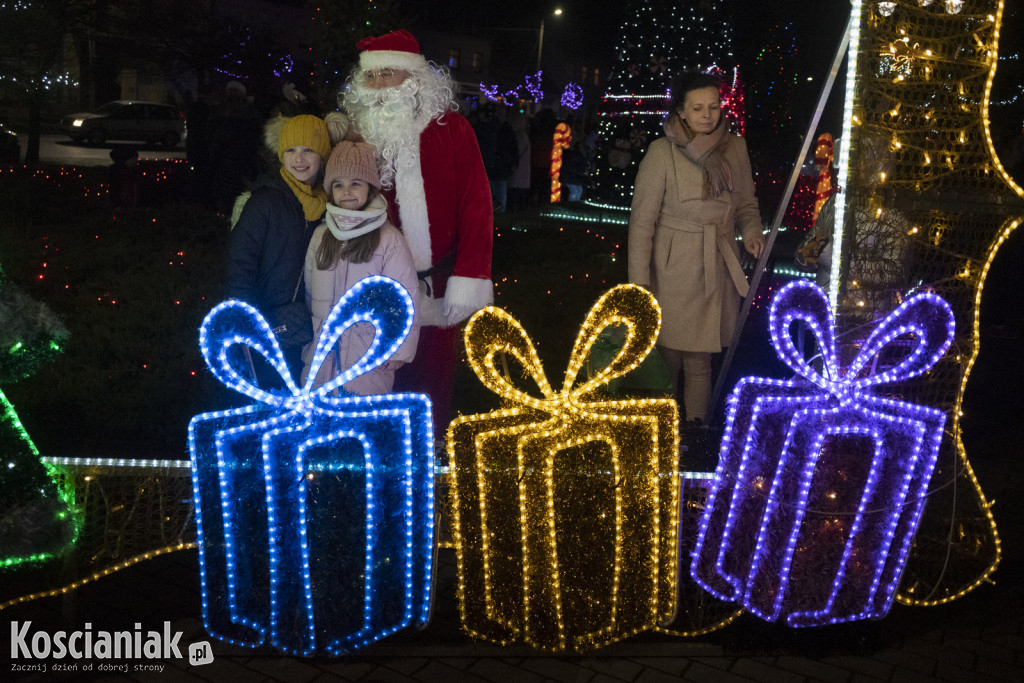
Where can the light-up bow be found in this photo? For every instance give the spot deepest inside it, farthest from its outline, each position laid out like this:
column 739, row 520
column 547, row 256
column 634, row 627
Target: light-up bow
column 926, row 316
column 233, row 325
column 492, row 330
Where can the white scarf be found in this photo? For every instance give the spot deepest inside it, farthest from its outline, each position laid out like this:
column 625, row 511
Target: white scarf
column 347, row 224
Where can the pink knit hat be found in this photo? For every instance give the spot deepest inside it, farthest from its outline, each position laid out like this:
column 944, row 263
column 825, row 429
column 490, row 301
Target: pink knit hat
column 352, row 160
column 395, row 50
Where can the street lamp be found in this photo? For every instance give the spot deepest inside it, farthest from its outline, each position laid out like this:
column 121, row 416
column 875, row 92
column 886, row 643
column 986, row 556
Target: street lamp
column 540, row 43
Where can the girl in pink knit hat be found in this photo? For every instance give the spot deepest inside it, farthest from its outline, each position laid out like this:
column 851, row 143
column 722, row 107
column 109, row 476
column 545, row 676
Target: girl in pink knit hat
column 355, row 240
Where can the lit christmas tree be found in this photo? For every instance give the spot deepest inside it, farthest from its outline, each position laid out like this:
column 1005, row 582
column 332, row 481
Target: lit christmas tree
column 35, row 519
column 773, row 78
column 659, row 40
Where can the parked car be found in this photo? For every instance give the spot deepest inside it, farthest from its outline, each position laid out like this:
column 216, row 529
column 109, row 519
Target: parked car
column 127, row 120
column 10, row 149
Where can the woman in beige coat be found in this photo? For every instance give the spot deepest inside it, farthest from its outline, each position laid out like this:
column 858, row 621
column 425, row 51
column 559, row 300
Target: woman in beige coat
column 694, row 191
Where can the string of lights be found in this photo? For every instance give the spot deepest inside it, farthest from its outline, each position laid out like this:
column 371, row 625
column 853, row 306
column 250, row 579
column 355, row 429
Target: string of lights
column 919, row 184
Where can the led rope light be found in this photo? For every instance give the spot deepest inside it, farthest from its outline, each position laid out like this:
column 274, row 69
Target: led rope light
column 116, row 462
column 565, row 507
column 821, row 484
column 96, row 575
column 843, row 167
column 54, row 531
column 909, row 597
column 274, row 484
column 925, row 191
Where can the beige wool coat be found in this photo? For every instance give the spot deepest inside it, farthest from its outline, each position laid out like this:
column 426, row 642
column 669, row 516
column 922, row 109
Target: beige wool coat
column 683, row 247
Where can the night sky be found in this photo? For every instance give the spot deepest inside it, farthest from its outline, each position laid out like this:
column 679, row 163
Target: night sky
column 591, row 29
column 594, row 26
column 588, row 33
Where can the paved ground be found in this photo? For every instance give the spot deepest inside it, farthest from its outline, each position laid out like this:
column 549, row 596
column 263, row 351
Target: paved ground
column 979, row 638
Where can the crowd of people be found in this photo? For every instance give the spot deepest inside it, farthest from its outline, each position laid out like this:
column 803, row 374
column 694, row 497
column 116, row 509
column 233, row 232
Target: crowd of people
column 517, row 148
column 399, row 183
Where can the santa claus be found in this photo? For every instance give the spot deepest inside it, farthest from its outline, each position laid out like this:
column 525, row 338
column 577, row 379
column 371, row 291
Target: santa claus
column 439, row 196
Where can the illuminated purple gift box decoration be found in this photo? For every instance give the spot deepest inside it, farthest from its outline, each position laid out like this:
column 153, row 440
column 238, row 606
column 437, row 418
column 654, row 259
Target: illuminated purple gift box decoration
column 820, row 483
column 314, row 511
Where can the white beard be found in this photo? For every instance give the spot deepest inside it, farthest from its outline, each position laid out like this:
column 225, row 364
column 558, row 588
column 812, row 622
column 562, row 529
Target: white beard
column 392, row 119
column 387, row 118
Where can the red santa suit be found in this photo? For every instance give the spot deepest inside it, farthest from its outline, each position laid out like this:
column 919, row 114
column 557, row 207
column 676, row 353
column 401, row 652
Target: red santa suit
column 443, row 205
column 441, row 200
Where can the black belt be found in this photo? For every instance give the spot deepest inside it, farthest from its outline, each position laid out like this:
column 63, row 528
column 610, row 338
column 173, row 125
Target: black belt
column 444, row 266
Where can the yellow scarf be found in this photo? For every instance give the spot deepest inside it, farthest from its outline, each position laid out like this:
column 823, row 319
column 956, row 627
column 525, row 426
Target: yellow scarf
column 313, row 199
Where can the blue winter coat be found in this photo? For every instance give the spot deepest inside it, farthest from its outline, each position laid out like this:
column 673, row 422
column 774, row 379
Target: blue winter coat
column 267, row 248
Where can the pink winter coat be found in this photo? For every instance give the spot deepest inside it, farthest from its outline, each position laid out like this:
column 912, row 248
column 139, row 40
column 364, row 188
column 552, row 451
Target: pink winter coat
column 325, row 287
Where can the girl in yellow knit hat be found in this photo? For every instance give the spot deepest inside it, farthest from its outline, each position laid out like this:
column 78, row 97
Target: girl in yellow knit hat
column 273, row 228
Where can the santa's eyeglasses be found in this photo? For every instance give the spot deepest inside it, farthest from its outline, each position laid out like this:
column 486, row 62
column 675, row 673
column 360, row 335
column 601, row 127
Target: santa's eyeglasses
column 383, row 74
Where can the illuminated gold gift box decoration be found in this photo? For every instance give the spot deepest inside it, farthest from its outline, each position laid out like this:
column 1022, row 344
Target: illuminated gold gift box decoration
column 566, row 506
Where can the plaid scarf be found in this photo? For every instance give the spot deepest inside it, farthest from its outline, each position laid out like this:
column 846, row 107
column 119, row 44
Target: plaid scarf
column 705, row 150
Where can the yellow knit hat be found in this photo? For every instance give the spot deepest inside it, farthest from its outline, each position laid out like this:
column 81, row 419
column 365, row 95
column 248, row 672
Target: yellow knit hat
column 304, row 131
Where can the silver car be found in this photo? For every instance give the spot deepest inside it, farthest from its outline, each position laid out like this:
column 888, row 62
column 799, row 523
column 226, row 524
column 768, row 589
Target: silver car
column 127, row 120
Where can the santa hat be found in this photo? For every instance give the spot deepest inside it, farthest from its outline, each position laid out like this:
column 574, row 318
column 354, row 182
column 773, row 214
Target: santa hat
column 395, row 50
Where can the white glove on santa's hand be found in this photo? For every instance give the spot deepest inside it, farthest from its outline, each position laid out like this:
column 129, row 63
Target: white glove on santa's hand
column 465, row 296
column 429, row 311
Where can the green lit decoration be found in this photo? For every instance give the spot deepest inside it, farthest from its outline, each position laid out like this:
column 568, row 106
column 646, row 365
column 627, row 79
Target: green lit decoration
column 36, row 516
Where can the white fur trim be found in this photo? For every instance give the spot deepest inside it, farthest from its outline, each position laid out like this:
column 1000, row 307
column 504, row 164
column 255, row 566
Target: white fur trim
column 464, row 296
column 394, row 59
column 412, row 206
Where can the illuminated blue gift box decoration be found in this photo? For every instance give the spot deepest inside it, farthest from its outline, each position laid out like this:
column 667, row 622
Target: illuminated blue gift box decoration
column 315, row 511
column 820, row 483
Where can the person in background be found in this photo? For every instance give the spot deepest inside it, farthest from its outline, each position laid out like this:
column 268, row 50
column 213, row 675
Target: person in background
column 574, row 171
column 355, row 241
column 519, row 181
column 694, row 191
column 437, row 188
column 233, row 160
column 293, row 102
column 268, row 242
column 498, row 150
